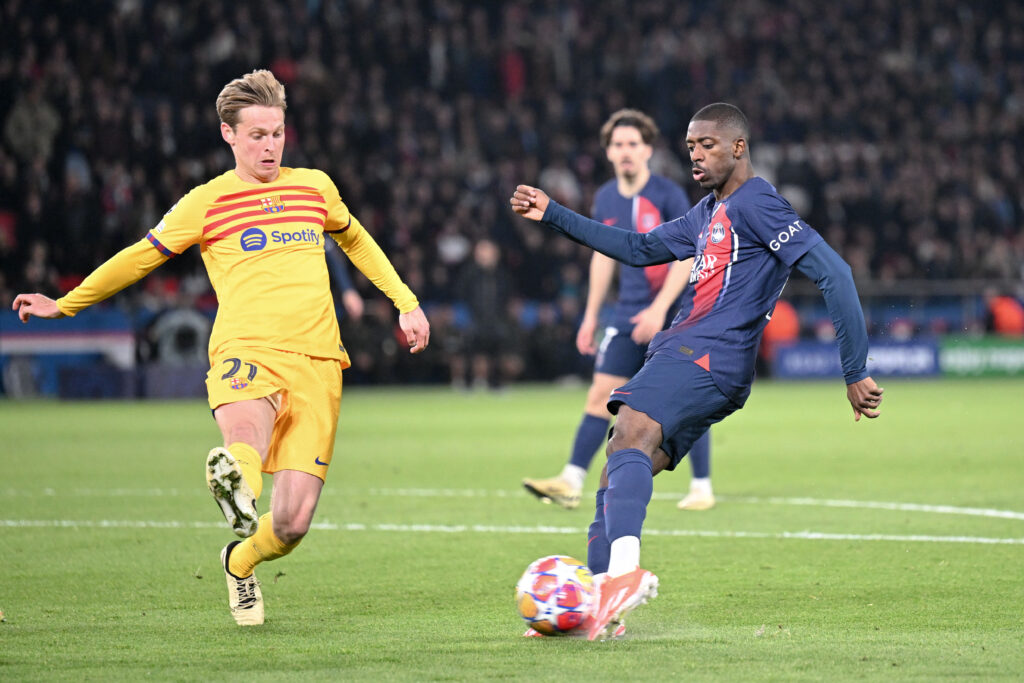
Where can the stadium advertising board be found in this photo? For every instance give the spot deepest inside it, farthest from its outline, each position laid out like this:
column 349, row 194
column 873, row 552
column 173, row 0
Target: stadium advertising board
column 954, row 357
column 809, row 360
column 986, row 356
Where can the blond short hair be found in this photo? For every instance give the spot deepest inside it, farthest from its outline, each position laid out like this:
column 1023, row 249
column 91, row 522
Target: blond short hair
column 634, row 118
column 258, row 88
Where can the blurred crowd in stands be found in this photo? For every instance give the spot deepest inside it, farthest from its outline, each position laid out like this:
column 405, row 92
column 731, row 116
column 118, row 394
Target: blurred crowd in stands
column 896, row 130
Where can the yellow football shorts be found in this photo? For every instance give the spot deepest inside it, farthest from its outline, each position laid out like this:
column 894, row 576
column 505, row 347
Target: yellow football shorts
column 306, row 392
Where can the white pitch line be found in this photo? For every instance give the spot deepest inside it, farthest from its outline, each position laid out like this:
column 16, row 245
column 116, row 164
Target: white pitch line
column 499, row 529
column 866, row 504
column 878, row 505
column 498, row 493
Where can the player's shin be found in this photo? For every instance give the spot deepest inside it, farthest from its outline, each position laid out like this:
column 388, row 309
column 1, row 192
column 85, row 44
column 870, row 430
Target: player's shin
column 262, row 546
column 630, row 486
column 251, row 465
column 597, row 538
column 590, row 435
column 700, row 457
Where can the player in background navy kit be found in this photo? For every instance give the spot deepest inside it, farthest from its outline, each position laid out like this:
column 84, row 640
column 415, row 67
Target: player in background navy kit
column 745, row 240
column 634, row 200
column 352, row 304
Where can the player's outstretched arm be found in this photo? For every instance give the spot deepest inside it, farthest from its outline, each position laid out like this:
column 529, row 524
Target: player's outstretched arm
column 127, row 266
column 28, row 305
column 625, row 246
column 416, row 328
column 865, row 396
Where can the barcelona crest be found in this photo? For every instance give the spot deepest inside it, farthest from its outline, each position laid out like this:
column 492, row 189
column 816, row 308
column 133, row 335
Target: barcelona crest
column 272, row 204
column 238, row 383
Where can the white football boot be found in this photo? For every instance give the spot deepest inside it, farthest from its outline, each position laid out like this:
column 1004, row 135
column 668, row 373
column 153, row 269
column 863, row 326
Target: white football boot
column 232, row 493
column 244, row 596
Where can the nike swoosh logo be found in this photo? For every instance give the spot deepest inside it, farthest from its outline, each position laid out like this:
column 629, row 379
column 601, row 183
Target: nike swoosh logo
column 317, row 461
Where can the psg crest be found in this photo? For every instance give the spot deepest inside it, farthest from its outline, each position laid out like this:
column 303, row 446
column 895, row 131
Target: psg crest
column 717, row 232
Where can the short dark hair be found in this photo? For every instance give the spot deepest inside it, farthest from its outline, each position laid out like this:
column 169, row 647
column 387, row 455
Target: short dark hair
column 634, row 118
column 726, row 116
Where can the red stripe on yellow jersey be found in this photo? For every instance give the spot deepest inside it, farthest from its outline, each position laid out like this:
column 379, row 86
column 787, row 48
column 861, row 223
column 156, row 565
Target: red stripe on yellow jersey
column 255, row 203
column 291, row 208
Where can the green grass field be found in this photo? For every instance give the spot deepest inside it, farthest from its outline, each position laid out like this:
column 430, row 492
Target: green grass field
column 886, row 549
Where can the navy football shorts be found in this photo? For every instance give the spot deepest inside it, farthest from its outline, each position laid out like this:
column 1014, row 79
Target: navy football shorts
column 618, row 354
column 677, row 394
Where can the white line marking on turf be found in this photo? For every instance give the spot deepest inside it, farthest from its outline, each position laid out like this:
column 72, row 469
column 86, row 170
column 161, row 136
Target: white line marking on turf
column 104, row 493
column 490, row 493
column 876, row 505
column 868, row 504
column 497, row 529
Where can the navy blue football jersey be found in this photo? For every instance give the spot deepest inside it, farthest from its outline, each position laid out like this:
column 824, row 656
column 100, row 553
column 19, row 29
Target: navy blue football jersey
column 744, row 249
column 660, row 200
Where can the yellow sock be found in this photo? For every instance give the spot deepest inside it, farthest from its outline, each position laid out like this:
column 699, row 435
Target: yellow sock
column 260, row 547
column 251, row 465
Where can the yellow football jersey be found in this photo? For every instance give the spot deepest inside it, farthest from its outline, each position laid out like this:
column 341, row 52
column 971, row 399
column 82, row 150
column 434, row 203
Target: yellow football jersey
column 263, row 250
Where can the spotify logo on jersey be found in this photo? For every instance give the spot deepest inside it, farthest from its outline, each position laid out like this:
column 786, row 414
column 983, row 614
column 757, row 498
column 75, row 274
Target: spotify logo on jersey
column 253, row 239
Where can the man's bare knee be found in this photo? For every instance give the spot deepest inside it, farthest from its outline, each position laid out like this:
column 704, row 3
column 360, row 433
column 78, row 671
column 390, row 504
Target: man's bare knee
column 621, row 442
column 291, row 530
column 597, row 401
column 597, row 395
column 634, row 429
column 294, row 503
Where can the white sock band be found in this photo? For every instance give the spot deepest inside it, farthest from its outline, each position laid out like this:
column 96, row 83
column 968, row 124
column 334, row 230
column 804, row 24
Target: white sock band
column 574, row 475
column 701, row 485
column 625, row 555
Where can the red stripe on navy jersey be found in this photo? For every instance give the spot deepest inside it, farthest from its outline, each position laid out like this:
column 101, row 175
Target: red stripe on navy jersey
column 252, row 214
column 648, row 217
column 159, row 247
column 283, row 198
column 710, row 265
column 264, row 190
column 265, row 221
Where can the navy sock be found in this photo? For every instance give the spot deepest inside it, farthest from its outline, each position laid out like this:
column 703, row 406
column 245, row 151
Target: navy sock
column 598, row 547
column 700, row 456
column 589, row 437
column 630, row 485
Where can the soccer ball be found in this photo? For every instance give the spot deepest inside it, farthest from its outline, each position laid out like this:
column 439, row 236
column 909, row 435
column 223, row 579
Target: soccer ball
column 555, row 594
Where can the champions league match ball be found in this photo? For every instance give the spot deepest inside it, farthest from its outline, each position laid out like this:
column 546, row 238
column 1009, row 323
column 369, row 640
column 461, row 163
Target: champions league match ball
column 555, row 594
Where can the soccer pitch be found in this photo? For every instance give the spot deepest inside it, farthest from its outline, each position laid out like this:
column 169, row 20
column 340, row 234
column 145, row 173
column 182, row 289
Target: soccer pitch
column 889, row 548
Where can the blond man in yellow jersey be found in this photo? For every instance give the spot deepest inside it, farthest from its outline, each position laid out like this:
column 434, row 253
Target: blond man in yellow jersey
column 275, row 353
